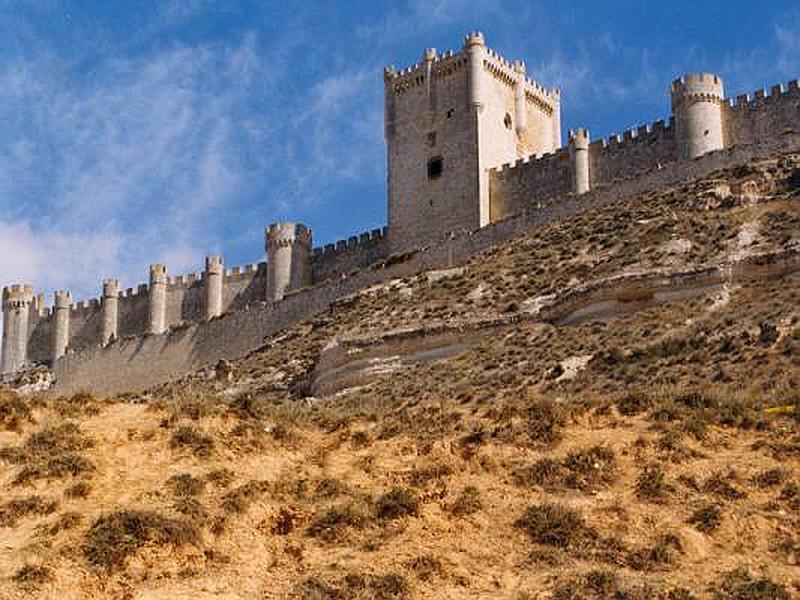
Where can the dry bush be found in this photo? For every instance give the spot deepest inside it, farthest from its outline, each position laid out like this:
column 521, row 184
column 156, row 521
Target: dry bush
column 185, row 485
column 584, row 469
column 595, row 584
column 79, row 404
column 397, row 502
column 14, row 510
column 32, row 575
column 718, row 484
column 13, row 411
column 467, row 502
column 425, row 567
column 658, row 555
column 634, row 403
column 64, row 522
column 332, row 524
column 239, row 499
column 651, row 484
column 81, row 489
column 771, row 477
column 221, row 478
column 706, row 518
column 354, row 587
column 52, row 452
column 740, row 585
column 189, row 438
column 114, row 537
column 554, row 525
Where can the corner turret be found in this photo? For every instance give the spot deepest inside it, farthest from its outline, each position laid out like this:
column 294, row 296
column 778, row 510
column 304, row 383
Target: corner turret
column 288, row 247
column 110, row 327
column 697, row 108
column 579, row 151
column 157, row 301
column 17, row 301
column 215, row 271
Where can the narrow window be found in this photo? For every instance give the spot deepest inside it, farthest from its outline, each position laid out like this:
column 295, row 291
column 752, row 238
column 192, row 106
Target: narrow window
column 450, row 113
column 507, row 121
column 435, row 167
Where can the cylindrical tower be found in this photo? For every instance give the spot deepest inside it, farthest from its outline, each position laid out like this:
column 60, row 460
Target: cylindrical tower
column 697, row 108
column 215, row 270
column 389, row 116
column 520, row 102
column 157, row 300
column 59, row 334
column 110, row 326
column 579, row 151
column 475, row 49
column 17, row 300
column 288, row 248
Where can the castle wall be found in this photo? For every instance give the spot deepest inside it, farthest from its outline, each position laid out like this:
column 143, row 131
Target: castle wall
column 749, row 120
column 345, row 256
column 133, row 365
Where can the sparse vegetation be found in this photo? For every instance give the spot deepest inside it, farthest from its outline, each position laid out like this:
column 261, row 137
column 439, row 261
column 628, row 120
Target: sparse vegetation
column 189, row 438
column 114, row 537
column 554, row 525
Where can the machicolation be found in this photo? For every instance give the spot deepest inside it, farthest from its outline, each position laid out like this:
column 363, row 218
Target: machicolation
column 495, row 135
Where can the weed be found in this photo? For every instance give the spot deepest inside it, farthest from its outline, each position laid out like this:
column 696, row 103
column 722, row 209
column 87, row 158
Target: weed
column 372, row 587
column 81, row 489
column 32, row 575
column 592, row 585
column 396, row 503
column 651, row 485
column 718, row 485
column 425, row 567
column 771, row 477
column 553, row 525
column 740, row 585
column 14, row 510
column 13, row 411
column 239, row 499
column 187, row 437
column 707, row 518
column 657, row 555
column 221, row 478
column 285, row 522
column 114, row 537
column 185, row 485
column 65, row 521
column 467, row 502
column 331, row 525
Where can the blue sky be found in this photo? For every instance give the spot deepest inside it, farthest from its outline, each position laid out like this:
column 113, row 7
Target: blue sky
column 134, row 132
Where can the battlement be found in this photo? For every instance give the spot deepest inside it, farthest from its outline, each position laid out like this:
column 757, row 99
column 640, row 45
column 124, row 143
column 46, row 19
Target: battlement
column 17, row 296
column 702, row 86
column 63, row 299
column 776, row 92
column 158, row 274
column 352, row 244
column 288, row 233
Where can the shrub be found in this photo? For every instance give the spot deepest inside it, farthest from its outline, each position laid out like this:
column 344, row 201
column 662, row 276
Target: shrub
column 396, row 503
column 114, row 537
column 221, row 478
column 771, row 477
column 81, row 489
column 651, row 485
column 633, row 403
column 543, row 420
column 467, row 502
column 553, row 525
column 14, row 510
column 65, row 521
column 590, row 467
column 707, row 518
column 740, row 585
column 13, row 411
column 239, row 499
column 187, row 437
column 595, row 584
column 425, row 567
column 372, row 587
column 333, row 522
column 719, row 486
column 658, row 554
column 32, row 575
column 185, row 485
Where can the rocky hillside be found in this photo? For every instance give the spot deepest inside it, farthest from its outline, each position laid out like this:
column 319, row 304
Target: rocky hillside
column 608, row 407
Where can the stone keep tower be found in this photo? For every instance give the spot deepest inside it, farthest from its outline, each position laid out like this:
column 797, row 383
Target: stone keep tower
column 288, row 247
column 17, row 301
column 448, row 120
column 697, row 107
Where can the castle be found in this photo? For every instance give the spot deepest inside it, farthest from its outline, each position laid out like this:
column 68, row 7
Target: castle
column 472, row 143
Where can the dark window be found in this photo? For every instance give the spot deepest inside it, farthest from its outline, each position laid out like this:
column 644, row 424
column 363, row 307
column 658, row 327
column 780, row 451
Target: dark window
column 450, row 113
column 435, row 167
column 507, row 121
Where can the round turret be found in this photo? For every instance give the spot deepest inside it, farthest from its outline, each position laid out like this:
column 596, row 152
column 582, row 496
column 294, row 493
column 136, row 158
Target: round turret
column 17, row 300
column 579, row 150
column 288, row 248
column 215, row 271
column 157, row 299
column 110, row 313
column 697, row 108
column 59, row 334
column 475, row 49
